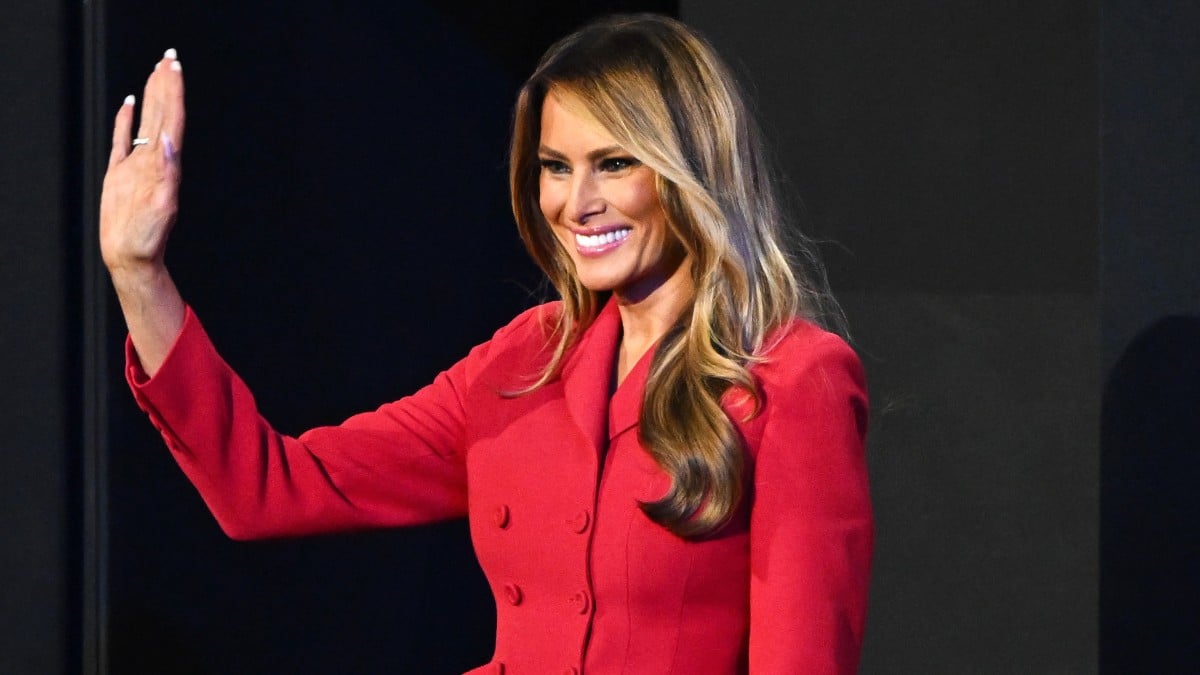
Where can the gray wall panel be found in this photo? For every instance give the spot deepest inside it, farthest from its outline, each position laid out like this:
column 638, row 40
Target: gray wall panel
column 950, row 153
column 985, row 481
column 945, row 146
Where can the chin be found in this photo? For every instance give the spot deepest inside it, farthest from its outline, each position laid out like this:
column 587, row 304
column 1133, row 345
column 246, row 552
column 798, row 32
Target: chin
column 598, row 280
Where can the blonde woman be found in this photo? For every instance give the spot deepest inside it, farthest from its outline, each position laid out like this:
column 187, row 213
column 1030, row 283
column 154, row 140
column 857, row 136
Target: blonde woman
column 663, row 470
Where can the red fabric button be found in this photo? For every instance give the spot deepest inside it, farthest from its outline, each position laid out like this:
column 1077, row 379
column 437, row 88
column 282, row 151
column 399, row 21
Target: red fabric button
column 581, row 602
column 501, row 516
column 580, row 522
column 498, row 668
column 513, row 593
column 571, row 671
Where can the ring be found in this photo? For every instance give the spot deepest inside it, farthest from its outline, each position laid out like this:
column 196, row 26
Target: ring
column 141, row 141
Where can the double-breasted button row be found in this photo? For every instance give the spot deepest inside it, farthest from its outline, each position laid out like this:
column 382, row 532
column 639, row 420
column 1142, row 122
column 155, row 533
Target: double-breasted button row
column 579, row 601
column 579, row 523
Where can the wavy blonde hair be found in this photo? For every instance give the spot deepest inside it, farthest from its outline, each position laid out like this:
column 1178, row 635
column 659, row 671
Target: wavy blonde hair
column 663, row 93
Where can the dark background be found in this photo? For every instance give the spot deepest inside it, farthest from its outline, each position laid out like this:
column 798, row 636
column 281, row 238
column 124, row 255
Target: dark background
column 1010, row 196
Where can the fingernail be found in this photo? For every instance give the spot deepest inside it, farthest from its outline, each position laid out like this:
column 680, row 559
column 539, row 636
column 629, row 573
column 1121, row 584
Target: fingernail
column 171, row 54
column 176, row 66
column 129, row 100
column 168, row 146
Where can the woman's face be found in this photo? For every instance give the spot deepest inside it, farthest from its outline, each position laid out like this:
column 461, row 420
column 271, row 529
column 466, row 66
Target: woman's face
column 602, row 205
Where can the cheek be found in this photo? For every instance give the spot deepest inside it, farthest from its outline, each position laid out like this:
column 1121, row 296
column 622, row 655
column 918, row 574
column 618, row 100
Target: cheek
column 645, row 206
column 549, row 201
column 641, row 198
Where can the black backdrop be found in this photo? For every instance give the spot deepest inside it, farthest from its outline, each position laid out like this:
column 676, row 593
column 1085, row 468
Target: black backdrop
column 345, row 234
column 1011, row 190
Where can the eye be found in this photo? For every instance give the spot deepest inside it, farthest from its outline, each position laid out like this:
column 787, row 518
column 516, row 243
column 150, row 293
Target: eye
column 613, row 164
column 554, row 166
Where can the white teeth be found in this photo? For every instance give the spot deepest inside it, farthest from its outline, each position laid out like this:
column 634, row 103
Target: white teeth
column 594, row 240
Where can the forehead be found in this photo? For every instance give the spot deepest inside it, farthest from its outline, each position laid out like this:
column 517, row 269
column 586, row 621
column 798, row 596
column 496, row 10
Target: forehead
column 567, row 125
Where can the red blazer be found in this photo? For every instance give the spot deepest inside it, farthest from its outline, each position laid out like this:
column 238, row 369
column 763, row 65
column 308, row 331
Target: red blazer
column 551, row 481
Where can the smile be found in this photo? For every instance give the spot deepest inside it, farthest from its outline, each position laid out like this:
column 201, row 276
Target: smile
column 596, row 244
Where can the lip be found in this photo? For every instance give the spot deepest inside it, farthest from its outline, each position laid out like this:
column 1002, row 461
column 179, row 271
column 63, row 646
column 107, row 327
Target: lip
column 594, row 251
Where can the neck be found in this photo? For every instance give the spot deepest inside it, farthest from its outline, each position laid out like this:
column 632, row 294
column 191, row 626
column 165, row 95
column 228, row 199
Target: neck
column 646, row 318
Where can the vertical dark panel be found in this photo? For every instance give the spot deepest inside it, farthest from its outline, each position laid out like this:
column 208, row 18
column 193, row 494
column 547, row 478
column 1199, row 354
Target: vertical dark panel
column 1150, row 526
column 92, row 341
column 949, row 151
column 37, row 431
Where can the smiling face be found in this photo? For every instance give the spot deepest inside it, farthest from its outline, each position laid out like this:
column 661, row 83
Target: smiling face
column 602, row 205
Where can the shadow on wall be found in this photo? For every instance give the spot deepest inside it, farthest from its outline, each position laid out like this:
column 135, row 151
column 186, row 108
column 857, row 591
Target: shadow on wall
column 1150, row 503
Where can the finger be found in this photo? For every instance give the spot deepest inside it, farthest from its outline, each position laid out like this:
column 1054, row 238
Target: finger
column 121, row 131
column 152, row 103
column 170, row 158
column 147, row 105
column 172, row 106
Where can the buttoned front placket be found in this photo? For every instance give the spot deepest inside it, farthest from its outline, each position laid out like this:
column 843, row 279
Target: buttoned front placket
column 585, row 377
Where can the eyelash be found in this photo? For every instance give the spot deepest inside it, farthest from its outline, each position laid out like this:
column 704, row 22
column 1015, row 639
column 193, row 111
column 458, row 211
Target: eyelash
column 608, row 164
column 618, row 163
column 553, row 166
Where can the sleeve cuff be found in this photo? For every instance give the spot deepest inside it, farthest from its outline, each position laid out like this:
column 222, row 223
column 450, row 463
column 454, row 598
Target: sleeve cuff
column 189, row 334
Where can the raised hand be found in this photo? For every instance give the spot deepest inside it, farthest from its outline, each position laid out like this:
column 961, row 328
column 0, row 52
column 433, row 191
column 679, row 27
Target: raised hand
column 141, row 188
column 137, row 209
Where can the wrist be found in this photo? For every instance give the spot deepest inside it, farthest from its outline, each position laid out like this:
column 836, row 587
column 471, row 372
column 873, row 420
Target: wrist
column 137, row 278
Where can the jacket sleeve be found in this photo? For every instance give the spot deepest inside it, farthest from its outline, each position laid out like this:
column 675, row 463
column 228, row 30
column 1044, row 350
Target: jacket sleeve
column 810, row 524
column 401, row 464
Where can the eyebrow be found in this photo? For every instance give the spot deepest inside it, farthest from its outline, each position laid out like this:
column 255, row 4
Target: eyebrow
column 592, row 156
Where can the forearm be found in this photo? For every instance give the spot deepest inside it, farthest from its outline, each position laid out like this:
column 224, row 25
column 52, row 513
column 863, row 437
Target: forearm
column 153, row 311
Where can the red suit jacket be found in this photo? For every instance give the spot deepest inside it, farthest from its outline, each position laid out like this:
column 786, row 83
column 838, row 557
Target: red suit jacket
column 551, row 480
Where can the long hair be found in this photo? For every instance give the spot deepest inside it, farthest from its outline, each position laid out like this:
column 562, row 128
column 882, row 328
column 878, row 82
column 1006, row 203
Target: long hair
column 663, row 93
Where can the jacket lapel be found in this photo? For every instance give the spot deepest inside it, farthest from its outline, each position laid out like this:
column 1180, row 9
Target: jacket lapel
column 625, row 410
column 587, row 373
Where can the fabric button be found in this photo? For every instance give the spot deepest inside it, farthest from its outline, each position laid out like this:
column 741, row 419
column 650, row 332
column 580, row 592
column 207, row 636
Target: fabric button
column 580, row 522
column 581, row 602
column 498, row 668
column 501, row 517
column 513, row 593
column 571, row 671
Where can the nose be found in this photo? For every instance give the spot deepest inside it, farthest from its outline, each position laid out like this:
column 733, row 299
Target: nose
column 585, row 199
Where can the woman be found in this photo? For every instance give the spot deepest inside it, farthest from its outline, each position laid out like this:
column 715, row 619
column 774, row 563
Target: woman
column 663, row 471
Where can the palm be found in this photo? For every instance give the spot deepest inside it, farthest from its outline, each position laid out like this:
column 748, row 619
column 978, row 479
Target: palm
column 141, row 188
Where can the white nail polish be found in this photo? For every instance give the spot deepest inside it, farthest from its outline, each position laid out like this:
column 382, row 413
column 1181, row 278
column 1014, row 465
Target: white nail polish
column 129, row 100
column 176, row 66
column 171, row 54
